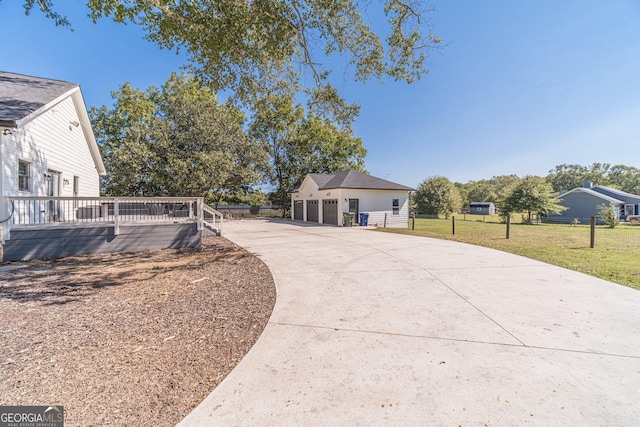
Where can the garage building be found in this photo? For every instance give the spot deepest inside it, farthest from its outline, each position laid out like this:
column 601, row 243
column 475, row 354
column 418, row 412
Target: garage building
column 323, row 198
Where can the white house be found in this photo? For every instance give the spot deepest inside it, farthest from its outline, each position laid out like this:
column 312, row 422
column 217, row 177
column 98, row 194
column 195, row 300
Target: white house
column 324, row 198
column 47, row 145
column 50, row 168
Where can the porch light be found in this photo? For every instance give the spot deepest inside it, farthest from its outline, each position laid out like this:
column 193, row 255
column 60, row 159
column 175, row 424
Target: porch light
column 7, row 131
column 74, row 123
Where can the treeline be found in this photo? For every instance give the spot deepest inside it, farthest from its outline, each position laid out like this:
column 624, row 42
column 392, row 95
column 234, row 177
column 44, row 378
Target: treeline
column 510, row 193
column 179, row 140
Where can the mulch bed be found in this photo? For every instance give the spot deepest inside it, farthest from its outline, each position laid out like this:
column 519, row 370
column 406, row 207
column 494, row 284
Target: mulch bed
column 129, row 339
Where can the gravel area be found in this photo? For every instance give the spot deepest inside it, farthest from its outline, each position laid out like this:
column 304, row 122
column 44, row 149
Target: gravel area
column 129, row 339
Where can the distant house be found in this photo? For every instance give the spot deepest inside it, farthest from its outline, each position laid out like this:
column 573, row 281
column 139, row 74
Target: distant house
column 582, row 203
column 324, row 198
column 48, row 146
column 482, row 208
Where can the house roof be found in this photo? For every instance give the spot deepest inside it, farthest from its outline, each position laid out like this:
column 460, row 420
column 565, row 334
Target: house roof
column 592, row 193
column 482, row 204
column 321, row 179
column 25, row 97
column 355, row 180
column 619, row 193
column 22, row 95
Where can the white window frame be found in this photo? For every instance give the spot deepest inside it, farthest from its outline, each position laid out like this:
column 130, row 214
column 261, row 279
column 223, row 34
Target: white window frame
column 395, row 206
column 28, row 176
column 629, row 209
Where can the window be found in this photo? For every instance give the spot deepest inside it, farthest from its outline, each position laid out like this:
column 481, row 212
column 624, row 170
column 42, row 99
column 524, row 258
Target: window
column 629, row 209
column 396, row 206
column 24, row 176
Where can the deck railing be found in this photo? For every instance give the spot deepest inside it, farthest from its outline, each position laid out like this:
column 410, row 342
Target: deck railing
column 213, row 217
column 51, row 211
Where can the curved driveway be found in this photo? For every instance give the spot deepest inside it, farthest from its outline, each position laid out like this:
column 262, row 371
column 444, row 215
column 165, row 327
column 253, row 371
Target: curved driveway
column 383, row 329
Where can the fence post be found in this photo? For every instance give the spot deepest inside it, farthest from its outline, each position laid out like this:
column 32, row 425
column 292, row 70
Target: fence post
column 413, row 223
column 385, row 221
column 508, row 225
column 116, row 217
column 453, row 225
column 593, row 232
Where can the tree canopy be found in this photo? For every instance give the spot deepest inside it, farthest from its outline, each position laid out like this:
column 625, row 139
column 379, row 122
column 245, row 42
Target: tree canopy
column 436, row 196
column 495, row 190
column 566, row 177
column 532, row 194
column 300, row 142
column 254, row 48
column 174, row 141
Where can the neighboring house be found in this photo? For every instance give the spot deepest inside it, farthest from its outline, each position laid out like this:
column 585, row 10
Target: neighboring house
column 324, row 198
column 482, row 208
column 48, row 147
column 582, row 203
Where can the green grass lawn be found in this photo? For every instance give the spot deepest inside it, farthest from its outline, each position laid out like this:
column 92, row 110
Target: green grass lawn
column 616, row 256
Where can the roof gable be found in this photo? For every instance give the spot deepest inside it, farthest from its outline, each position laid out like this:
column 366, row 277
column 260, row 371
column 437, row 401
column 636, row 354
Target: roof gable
column 613, row 192
column 21, row 96
column 321, row 179
column 591, row 193
column 358, row 180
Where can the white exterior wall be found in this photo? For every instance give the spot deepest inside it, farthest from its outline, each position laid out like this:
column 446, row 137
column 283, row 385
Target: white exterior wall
column 376, row 203
column 50, row 142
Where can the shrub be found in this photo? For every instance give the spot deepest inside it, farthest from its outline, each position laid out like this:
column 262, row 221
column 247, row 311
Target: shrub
column 609, row 215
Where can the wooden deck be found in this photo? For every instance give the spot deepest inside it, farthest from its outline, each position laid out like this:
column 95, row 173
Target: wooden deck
column 56, row 227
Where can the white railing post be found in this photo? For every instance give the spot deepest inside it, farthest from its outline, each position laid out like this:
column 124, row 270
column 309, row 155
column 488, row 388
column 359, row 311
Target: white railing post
column 200, row 212
column 116, row 217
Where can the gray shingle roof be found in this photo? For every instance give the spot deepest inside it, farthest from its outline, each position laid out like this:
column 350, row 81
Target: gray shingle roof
column 321, row 179
column 21, row 95
column 356, row 180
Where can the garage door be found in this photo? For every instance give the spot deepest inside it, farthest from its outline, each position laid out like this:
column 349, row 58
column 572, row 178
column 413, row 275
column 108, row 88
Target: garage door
column 298, row 208
column 312, row 210
column 330, row 211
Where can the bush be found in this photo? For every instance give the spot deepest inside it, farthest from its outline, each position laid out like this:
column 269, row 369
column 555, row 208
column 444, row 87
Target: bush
column 609, row 215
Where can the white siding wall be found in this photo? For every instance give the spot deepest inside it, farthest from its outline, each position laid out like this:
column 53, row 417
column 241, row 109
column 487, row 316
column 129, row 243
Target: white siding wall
column 50, row 142
column 377, row 203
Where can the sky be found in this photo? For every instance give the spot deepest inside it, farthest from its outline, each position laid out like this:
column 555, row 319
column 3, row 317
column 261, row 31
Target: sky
column 518, row 88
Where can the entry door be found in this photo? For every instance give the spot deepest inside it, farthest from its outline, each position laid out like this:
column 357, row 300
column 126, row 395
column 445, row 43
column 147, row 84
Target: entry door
column 330, row 212
column 298, row 210
column 53, row 190
column 354, row 207
column 312, row 210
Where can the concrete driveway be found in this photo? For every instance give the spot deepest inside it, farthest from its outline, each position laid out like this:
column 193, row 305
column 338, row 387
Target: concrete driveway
column 381, row 329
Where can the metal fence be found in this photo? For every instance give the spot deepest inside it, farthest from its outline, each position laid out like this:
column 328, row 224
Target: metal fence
column 27, row 211
column 589, row 232
column 627, row 235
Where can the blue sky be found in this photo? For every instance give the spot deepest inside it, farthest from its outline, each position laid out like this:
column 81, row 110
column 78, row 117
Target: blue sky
column 520, row 87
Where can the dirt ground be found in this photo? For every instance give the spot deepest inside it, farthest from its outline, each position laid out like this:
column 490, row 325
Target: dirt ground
column 129, row 339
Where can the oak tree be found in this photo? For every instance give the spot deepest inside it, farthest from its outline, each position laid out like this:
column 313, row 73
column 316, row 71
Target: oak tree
column 176, row 140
